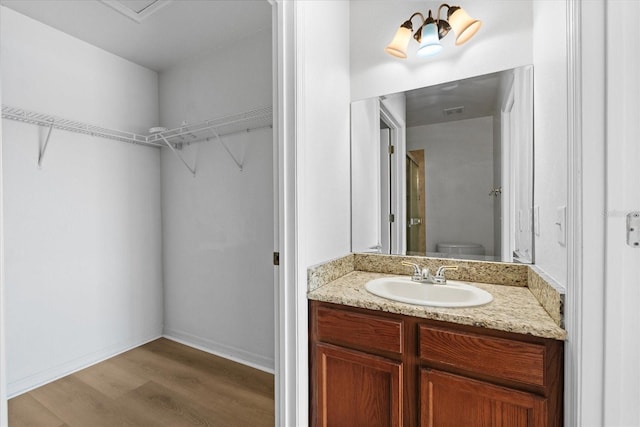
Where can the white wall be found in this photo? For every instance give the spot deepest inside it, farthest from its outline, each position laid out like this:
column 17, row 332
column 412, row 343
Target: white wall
column 322, row 163
column 503, row 42
column 82, row 234
column 365, row 175
column 458, row 179
column 550, row 130
column 218, row 225
column 324, row 139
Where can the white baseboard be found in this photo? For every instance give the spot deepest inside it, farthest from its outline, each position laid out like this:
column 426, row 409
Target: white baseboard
column 39, row 379
column 237, row 355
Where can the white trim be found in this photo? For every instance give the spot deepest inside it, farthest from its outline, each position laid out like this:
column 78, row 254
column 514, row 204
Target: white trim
column 47, row 376
column 508, row 224
column 299, row 385
column 3, row 368
column 287, row 297
column 398, row 181
column 585, row 226
column 137, row 17
column 572, row 391
column 246, row 358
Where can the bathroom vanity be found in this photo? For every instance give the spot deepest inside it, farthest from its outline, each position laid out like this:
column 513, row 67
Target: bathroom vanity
column 377, row 362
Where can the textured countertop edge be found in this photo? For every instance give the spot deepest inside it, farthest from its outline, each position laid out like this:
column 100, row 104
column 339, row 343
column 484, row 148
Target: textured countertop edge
column 547, row 292
column 320, row 274
column 464, row 316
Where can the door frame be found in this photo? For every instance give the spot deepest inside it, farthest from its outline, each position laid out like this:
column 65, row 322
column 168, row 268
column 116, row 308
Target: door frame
column 397, row 186
column 507, row 204
column 584, row 316
column 285, row 227
column 291, row 396
column 3, row 369
column 422, row 205
column 385, row 207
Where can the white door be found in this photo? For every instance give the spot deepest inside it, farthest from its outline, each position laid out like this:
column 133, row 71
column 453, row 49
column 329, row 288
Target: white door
column 622, row 264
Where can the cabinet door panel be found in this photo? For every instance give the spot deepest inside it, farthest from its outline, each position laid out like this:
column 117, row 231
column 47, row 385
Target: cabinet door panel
column 448, row 400
column 357, row 389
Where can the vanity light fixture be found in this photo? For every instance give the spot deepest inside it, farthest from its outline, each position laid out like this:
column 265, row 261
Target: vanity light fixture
column 431, row 31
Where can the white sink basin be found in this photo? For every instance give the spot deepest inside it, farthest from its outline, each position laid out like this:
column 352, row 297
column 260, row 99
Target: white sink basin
column 451, row 294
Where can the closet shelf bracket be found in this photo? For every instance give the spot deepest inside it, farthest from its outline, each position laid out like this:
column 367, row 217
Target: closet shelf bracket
column 238, row 163
column 168, row 144
column 43, row 148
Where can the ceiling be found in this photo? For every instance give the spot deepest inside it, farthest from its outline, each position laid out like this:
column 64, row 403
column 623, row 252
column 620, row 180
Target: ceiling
column 153, row 33
column 478, row 97
column 158, row 34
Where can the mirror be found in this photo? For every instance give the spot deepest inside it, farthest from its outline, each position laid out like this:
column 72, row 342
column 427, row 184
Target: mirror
column 447, row 170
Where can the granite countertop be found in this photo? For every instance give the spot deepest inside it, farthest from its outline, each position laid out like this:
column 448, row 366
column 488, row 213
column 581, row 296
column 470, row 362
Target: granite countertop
column 513, row 309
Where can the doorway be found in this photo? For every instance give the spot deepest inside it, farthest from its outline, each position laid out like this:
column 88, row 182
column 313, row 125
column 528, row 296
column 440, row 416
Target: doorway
column 416, row 209
column 112, row 201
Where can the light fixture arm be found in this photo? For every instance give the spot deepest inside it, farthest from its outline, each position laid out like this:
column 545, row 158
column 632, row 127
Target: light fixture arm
column 443, row 25
column 440, row 9
column 409, row 25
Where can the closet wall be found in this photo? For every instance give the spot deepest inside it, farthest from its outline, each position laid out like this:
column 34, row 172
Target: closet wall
column 83, row 233
column 110, row 244
column 218, row 225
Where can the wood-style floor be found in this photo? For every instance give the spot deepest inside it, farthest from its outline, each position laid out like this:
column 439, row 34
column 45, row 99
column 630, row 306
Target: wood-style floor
column 161, row 383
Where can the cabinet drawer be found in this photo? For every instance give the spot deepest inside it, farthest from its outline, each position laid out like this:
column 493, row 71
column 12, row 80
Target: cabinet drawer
column 497, row 357
column 359, row 330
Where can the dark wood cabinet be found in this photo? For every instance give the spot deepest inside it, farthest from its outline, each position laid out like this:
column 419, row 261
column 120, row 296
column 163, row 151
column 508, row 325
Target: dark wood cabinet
column 371, row 368
column 448, row 400
column 357, row 389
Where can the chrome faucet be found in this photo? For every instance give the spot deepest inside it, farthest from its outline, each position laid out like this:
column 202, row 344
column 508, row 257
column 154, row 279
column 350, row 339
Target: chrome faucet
column 422, row 275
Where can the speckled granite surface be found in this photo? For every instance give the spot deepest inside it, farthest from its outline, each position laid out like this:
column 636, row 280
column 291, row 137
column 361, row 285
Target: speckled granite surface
column 498, row 273
column 326, row 272
column 547, row 295
column 514, row 308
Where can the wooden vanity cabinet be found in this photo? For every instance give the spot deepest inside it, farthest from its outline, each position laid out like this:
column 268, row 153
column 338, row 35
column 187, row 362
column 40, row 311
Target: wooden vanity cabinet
column 489, row 377
column 448, row 400
column 370, row 368
column 358, row 368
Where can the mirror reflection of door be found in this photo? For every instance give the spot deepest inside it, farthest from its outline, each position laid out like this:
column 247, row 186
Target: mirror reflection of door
column 416, row 235
column 386, row 216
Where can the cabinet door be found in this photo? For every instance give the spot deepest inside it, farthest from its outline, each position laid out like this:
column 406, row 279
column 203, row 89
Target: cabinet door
column 448, row 400
column 356, row 389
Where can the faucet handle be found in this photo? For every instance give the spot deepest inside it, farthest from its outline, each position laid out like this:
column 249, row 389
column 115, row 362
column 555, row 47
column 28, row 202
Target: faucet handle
column 442, row 269
column 416, row 267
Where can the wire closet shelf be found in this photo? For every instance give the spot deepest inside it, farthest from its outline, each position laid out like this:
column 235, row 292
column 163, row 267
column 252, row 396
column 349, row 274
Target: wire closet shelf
column 185, row 134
